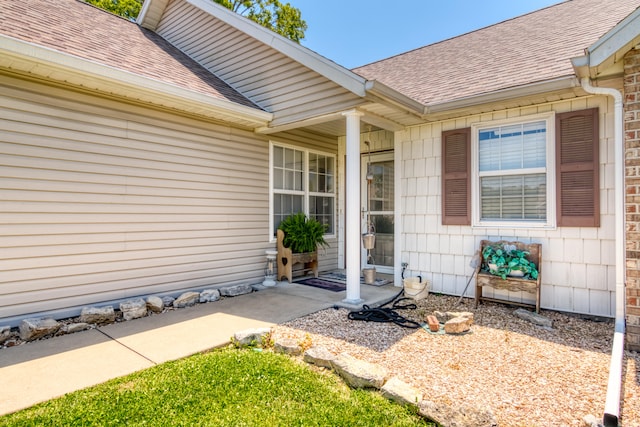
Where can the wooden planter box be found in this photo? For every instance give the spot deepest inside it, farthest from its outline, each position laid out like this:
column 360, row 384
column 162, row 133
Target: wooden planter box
column 484, row 278
column 287, row 259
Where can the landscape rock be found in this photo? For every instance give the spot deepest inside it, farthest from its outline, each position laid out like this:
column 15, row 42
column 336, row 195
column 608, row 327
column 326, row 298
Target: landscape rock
column 591, row 421
column 233, row 291
column 444, row 317
column 456, row 415
column 319, row 356
column 13, row 341
column 209, row 295
column 250, row 337
column 168, row 301
column 34, row 328
column 133, row 309
column 98, row 315
column 155, row 304
column 75, row 327
column 400, row 392
column 534, row 318
column 458, row 325
column 434, row 325
column 288, row 346
column 358, row 373
column 5, row 333
column 187, row 299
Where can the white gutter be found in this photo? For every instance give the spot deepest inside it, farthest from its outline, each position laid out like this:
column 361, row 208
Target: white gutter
column 612, row 404
column 45, row 62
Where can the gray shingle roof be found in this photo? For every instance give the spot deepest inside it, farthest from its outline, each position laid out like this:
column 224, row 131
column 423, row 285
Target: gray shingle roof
column 531, row 48
column 76, row 28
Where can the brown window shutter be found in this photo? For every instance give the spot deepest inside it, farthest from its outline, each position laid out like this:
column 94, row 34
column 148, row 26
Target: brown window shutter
column 577, row 169
column 456, row 177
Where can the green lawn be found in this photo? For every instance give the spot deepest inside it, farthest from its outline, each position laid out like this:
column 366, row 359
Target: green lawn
column 226, row 387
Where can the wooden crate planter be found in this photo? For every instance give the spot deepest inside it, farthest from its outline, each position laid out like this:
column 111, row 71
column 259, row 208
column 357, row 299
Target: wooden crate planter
column 287, row 259
column 484, row 278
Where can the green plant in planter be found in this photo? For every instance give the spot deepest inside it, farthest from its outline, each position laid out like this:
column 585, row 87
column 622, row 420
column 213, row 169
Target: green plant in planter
column 302, row 234
column 502, row 260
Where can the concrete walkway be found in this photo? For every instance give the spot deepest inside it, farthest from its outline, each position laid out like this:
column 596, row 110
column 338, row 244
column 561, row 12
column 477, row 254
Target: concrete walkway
column 41, row 370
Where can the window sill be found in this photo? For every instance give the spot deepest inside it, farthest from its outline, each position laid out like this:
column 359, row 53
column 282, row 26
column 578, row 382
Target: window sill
column 515, row 225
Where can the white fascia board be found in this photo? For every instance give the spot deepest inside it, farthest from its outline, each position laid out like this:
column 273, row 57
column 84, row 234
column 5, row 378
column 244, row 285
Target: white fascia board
column 394, row 97
column 561, row 83
column 332, row 71
column 621, row 37
column 146, row 18
column 122, row 79
column 142, row 15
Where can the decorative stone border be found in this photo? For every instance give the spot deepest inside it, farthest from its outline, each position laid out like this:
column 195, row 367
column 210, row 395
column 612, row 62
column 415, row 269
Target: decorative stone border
column 32, row 329
column 361, row 374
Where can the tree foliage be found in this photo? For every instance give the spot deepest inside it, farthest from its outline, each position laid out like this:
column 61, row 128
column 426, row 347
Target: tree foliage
column 279, row 17
column 126, row 8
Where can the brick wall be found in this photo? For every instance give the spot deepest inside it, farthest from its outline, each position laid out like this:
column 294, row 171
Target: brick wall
column 632, row 199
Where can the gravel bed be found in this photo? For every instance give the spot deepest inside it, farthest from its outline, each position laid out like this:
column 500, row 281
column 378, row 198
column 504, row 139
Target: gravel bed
column 525, row 374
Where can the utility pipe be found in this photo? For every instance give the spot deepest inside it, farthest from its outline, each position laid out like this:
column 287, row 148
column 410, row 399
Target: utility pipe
column 612, row 404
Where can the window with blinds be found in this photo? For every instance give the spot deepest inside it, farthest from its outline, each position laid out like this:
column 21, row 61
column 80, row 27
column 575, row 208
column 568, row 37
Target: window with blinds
column 520, row 175
column 512, row 171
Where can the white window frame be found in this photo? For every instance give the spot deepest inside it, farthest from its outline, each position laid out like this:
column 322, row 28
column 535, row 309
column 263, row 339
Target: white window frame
column 549, row 170
column 305, row 193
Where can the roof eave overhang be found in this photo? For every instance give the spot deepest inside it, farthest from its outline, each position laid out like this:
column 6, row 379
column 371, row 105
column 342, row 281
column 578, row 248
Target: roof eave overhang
column 53, row 65
column 610, row 48
column 375, row 92
column 383, row 93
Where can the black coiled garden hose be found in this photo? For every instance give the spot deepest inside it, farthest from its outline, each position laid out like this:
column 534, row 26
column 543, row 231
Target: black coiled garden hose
column 386, row 314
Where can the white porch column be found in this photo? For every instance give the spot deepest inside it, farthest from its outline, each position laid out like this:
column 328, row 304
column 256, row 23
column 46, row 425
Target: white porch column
column 352, row 207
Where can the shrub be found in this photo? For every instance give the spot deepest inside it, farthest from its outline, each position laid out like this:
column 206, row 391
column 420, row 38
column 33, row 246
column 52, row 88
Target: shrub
column 302, row 234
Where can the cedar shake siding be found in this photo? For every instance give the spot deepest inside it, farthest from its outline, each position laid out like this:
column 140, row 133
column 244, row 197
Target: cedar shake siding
column 578, row 260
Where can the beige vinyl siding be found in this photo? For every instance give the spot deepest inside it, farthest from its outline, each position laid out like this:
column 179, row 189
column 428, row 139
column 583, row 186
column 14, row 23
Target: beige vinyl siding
column 267, row 77
column 103, row 201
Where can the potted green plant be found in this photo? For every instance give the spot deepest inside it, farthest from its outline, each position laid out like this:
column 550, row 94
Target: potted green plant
column 507, row 260
column 302, row 234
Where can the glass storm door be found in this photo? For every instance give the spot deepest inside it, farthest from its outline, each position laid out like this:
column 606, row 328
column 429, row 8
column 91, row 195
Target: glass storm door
column 378, row 209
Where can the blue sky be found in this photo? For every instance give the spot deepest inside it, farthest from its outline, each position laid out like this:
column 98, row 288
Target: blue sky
column 357, row 32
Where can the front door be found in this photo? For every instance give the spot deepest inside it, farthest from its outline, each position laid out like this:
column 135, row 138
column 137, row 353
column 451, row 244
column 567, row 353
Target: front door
column 378, row 209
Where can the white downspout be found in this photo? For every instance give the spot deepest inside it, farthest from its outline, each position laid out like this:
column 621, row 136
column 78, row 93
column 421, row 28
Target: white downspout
column 612, row 404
